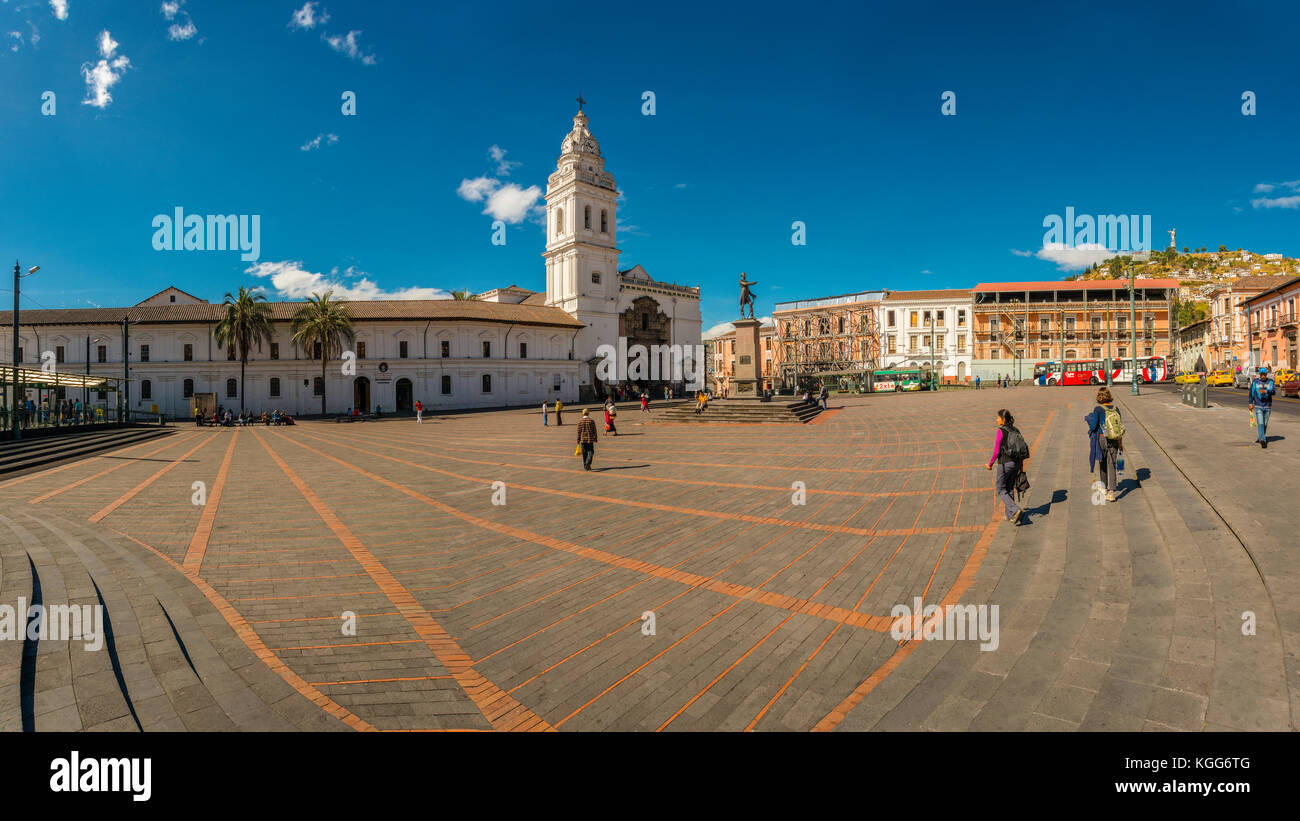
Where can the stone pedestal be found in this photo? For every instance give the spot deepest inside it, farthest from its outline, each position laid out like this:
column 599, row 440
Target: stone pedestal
column 747, row 378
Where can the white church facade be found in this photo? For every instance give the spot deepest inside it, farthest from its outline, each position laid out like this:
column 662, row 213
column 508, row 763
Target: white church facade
column 508, row 347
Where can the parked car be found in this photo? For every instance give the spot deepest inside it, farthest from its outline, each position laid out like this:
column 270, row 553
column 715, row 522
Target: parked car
column 1283, row 375
column 1219, row 378
column 1191, row 377
column 1242, row 379
column 1291, row 388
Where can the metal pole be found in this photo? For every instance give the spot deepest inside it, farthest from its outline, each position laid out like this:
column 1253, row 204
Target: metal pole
column 932, row 350
column 1132, row 319
column 13, row 405
column 85, row 389
column 124, row 398
column 1108, row 359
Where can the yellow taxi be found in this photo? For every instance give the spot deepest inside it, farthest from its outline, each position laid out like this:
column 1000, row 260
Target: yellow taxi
column 1219, row 378
column 1187, row 376
column 1281, row 376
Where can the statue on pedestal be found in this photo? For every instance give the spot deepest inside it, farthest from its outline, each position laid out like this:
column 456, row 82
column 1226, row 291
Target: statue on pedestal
column 746, row 296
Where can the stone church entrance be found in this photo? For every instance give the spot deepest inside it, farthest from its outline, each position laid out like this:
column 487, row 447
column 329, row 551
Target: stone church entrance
column 645, row 324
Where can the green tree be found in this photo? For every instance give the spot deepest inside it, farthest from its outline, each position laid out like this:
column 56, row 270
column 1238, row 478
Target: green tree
column 246, row 322
column 463, row 295
column 323, row 322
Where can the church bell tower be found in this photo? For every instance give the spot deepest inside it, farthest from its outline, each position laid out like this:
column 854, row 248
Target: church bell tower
column 581, row 249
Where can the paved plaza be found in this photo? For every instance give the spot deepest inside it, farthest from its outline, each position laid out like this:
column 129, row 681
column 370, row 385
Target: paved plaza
column 702, row 577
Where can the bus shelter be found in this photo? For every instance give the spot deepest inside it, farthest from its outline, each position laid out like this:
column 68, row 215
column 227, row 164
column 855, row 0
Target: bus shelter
column 52, row 398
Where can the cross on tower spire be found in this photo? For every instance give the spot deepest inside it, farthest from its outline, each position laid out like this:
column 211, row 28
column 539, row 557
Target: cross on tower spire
column 581, row 102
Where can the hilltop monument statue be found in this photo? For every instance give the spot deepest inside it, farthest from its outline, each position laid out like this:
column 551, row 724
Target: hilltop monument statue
column 746, row 296
column 1173, row 238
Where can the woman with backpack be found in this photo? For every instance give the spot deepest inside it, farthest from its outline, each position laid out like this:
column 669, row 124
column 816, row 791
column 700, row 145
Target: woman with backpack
column 1105, row 440
column 1010, row 452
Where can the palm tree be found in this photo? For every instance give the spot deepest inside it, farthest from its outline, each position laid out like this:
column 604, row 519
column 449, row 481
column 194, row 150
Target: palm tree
column 326, row 322
column 463, row 295
column 247, row 321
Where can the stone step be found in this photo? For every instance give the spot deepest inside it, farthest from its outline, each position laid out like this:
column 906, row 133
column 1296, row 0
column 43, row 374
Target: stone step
column 25, row 454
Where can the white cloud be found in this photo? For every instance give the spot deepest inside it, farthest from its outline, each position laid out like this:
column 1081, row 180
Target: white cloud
column 1263, row 188
column 347, row 44
column 178, row 31
column 510, row 203
column 105, row 74
column 18, row 40
column 314, row 142
column 305, row 17
column 107, row 45
column 498, row 155
column 1022, row 253
column 680, row 185
column 1074, row 258
column 60, row 8
column 1276, row 202
column 183, row 28
column 723, row 328
column 291, row 281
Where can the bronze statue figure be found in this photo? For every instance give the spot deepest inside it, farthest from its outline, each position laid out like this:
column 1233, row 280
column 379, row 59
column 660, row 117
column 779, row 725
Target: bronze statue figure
column 746, row 296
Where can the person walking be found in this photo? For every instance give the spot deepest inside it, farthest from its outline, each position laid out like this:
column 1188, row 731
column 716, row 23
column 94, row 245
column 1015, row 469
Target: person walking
column 977, row 382
column 587, row 439
column 611, row 416
column 825, row 398
column 1010, row 452
column 419, row 412
column 645, row 403
column 559, row 419
column 544, row 414
column 1261, row 403
column 1105, row 441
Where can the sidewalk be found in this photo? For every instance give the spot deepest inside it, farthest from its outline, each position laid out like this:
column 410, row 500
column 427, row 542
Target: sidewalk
column 1253, row 491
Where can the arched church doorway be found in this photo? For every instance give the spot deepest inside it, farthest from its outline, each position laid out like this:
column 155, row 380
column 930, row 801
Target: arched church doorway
column 404, row 402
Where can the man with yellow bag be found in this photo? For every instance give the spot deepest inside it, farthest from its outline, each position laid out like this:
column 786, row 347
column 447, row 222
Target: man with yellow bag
column 586, row 439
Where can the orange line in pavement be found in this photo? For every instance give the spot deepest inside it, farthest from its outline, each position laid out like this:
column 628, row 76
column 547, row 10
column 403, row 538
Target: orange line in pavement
column 688, row 511
column 823, row 611
column 377, row 680
column 51, row 494
column 442, row 454
column 962, row 583
column 130, row 494
column 199, row 541
column 500, row 709
column 254, row 642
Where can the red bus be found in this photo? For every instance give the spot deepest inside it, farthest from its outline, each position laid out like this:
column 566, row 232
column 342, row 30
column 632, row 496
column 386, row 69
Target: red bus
column 1093, row 371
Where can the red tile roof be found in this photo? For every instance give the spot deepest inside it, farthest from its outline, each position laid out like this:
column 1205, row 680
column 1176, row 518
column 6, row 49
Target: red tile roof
column 945, row 293
column 1076, row 285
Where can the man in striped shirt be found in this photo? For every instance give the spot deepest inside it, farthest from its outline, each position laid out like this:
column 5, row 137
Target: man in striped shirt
column 587, row 439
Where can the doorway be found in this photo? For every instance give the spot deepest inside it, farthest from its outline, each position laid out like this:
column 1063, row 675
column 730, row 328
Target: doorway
column 361, row 394
column 404, row 403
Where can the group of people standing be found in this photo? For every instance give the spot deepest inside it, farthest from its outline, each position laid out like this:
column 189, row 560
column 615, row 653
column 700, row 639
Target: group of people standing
column 58, row 412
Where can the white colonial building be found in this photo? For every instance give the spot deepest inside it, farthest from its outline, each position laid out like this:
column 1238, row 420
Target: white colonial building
column 917, row 327
column 507, row 347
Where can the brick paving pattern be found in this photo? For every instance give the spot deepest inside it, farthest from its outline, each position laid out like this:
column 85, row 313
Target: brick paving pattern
column 768, row 615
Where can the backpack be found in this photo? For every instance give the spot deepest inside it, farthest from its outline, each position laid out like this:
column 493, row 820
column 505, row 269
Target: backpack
column 1014, row 445
column 1113, row 425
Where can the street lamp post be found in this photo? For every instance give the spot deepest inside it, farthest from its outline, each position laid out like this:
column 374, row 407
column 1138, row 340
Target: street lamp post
column 1108, row 359
column 13, row 405
column 1132, row 321
column 932, row 350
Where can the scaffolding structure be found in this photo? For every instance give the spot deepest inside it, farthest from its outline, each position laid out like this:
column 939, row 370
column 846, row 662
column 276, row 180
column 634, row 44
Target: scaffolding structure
column 827, row 341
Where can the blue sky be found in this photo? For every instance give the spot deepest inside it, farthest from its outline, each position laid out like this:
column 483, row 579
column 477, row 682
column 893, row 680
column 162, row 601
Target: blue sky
column 827, row 114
